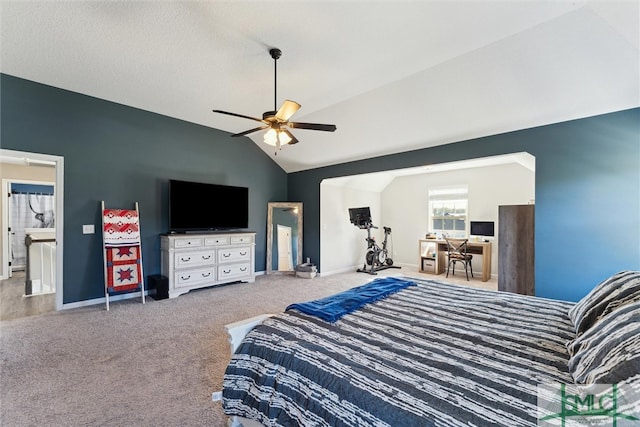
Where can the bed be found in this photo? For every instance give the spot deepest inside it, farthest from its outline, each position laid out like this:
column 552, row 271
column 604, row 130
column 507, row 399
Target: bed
column 430, row 354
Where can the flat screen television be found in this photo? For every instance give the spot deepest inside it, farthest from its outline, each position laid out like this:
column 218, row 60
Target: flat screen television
column 196, row 206
column 482, row 228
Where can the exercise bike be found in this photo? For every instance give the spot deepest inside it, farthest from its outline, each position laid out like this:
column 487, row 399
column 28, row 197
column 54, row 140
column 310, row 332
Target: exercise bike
column 376, row 258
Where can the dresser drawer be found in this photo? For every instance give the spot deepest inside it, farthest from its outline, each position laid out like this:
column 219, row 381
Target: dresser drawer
column 243, row 239
column 216, row 240
column 192, row 277
column 187, row 243
column 188, row 259
column 233, row 270
column 234, row 254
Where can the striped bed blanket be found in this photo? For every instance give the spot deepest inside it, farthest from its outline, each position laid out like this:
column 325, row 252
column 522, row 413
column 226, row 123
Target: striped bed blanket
column 434, row 354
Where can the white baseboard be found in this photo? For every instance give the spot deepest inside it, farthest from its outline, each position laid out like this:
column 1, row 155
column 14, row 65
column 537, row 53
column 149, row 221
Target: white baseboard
column 404, row 264
column 342, row 270
column 95, row 301
column 103, row 300
column 87, row 303
column 356, row 267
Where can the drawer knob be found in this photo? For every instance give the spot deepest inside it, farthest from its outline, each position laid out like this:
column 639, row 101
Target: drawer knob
column 226, row 271
column 206, row 257
column 185, row 277
column 243, row 253
column 206, row 274
column 226, row 255
column 185, row 259
column 243, row 268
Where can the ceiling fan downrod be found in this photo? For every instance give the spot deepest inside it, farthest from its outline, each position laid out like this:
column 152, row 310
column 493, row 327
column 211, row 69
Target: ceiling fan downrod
column 275, row 54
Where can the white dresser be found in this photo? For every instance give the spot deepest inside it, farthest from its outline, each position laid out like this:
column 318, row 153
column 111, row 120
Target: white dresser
column 192, row 261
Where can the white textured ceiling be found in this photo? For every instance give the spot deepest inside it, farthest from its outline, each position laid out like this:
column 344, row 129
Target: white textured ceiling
column 393, row 76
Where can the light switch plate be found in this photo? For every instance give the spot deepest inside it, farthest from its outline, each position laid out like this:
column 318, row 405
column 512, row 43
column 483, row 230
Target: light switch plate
column 88, row 229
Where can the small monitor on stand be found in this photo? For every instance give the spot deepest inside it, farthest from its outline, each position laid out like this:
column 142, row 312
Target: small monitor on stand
column 360, row 217
column 482, row 229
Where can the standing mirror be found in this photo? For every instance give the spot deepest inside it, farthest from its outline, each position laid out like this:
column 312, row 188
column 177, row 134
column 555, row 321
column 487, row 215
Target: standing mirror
column 284, row 237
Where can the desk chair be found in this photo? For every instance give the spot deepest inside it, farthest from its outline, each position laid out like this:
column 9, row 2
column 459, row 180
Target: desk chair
column 457, row 252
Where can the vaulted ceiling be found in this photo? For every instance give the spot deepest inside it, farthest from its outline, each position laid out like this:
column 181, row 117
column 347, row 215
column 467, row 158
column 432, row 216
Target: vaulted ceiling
column 392, row 76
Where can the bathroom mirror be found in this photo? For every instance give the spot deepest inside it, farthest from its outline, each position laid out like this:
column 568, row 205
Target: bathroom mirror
column 284, row 237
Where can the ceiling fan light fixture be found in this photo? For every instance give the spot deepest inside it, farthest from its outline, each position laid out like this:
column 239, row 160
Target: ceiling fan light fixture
column 271, row 137
column 284, row 138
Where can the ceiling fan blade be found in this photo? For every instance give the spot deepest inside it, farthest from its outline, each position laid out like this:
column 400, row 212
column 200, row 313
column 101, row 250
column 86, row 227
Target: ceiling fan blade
column 312, row 126
column 246, row 132
column 294, row 140
column 238, row 115
column 287, row 110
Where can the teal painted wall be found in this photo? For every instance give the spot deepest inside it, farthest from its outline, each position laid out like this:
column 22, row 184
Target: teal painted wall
column 587, row 195
column 122, row 155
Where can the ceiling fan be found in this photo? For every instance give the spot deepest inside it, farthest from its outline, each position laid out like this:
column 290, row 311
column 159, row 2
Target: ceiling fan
column 277, row 121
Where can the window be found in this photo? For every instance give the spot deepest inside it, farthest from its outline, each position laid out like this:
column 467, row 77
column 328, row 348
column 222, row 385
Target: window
column 448, row 211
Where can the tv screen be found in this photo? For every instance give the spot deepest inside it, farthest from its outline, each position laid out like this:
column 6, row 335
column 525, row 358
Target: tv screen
column 482, row 228
column 197, row 206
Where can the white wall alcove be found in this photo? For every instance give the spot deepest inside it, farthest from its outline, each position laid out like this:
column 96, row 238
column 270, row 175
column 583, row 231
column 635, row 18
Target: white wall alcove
column 399, row 199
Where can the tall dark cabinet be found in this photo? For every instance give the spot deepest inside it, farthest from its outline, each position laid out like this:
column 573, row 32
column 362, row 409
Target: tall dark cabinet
column 516, row 249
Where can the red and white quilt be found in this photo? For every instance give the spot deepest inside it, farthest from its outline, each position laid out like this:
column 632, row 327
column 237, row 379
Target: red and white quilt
column 121, row 227
column 124, row 272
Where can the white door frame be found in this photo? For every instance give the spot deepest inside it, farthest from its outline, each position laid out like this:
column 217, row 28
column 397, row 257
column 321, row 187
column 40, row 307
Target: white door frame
column 284, row 246
column 59, row 197
column 6, row 189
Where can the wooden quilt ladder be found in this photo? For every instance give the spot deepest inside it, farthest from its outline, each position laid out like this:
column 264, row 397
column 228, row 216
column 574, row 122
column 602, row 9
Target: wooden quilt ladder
column 122, row 252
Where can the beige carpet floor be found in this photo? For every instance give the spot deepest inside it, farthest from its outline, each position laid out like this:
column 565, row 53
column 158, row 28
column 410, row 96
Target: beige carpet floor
column 141, row 365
